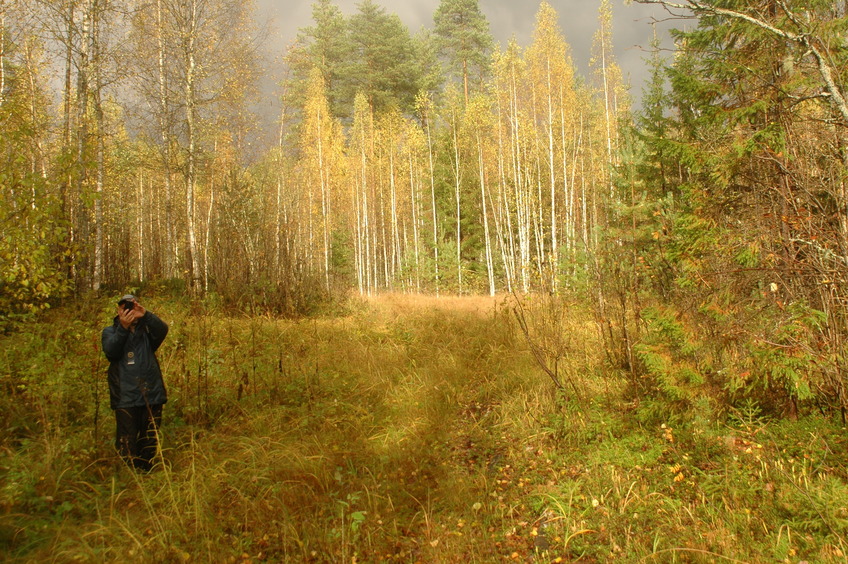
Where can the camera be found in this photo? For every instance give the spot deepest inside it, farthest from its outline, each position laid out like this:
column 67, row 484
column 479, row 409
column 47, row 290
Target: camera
column 127, row 302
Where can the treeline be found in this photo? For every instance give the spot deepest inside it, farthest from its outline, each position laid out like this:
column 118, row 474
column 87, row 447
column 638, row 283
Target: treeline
column 491, row 176
column 433, row 162
column 709, row 231
column 125, row 133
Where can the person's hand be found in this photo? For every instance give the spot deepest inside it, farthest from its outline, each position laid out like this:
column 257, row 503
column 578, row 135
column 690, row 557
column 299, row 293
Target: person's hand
column 129, row 317
column 125, row 317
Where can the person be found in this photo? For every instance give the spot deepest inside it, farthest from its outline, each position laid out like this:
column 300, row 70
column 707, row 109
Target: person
column 136, row 388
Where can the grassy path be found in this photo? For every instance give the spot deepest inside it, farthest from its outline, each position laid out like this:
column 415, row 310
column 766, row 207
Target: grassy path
column 408, row 430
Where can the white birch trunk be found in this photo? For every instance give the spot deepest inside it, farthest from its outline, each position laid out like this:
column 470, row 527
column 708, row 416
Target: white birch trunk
column 369, row 260
column 607, row 117
column 522, row 223
column 396, row 258
column 325, row 203
column 190, row 101
column 501, row 209
column 433, row 204
column 38, row 165
column 208, row 235
column 164, row 135
column 568, row 200
column 538, row 209
column 141, row 230
column 381, row 207
column 415, row 215
column 552, row 172
column 278, row 207
column 488, row 245
column 82, row 101
column 358, row 245
column 458, row 182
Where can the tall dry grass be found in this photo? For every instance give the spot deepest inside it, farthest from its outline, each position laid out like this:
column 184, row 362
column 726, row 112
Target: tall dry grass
column 415, row 430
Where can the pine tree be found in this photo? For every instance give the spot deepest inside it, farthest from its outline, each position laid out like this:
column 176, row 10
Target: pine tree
column 383, row 62
column 463, row 38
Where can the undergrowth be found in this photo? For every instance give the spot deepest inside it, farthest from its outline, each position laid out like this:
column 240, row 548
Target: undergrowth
column 408, row 430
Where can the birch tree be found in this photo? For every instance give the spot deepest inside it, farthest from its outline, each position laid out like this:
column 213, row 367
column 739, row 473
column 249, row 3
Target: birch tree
column 202, row 53
column 511, row 74
column 321, row 150
column 457, row 171
column 478, row 120
column 361, row 155
column 552, row 77
column 609, row 82
column 34, row 245
column 425, row 108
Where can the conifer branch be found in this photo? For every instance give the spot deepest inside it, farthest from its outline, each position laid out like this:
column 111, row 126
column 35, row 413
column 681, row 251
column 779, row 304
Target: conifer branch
column 804, row 39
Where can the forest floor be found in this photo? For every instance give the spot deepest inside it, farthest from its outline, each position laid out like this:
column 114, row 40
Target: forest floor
column 403, row 429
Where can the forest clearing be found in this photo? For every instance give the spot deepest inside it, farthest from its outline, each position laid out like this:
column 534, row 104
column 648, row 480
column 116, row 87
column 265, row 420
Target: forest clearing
column 444, row 295
column 403, row 429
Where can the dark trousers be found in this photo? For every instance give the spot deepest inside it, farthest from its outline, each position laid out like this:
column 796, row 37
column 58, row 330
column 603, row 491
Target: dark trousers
column 137, row 434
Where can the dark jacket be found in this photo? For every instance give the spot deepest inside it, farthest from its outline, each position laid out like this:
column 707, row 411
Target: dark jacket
column 135, row 379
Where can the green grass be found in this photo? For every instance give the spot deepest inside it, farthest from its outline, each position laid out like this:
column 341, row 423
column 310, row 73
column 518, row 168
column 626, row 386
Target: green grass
column 408, row 430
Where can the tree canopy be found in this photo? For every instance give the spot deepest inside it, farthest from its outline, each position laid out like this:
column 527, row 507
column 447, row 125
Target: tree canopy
column 464, row 40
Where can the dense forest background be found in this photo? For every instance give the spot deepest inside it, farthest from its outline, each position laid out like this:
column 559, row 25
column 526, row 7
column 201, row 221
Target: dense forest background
column 708, row 230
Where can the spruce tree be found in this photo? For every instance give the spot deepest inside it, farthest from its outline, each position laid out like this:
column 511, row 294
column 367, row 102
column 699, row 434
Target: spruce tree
column 750, row 150
column 325, row 46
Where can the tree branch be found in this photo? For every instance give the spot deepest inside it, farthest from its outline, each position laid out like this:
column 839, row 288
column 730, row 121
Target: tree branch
column 837, row 97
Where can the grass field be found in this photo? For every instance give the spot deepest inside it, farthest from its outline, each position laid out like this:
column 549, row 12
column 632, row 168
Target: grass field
column 402, row 429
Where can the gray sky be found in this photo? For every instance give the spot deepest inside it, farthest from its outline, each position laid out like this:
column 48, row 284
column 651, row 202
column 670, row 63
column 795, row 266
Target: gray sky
column 507, row 18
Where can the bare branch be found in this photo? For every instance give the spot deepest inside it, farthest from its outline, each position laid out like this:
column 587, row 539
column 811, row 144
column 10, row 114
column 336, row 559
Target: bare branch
column 518, row 310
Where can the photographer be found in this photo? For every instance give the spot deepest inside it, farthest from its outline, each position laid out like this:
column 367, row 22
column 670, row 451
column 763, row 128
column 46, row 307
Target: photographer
column 136, row 388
